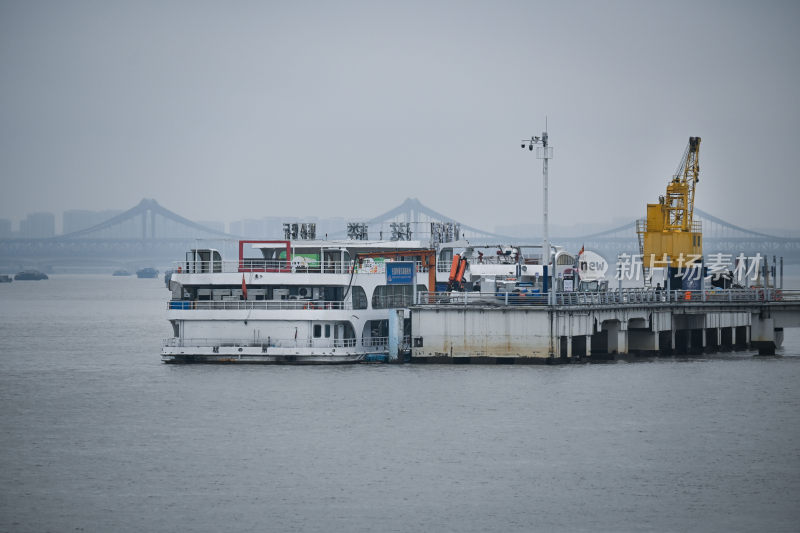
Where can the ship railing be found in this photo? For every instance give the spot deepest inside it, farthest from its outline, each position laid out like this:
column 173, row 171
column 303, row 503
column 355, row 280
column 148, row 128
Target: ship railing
column 633, row 296
column 383, row 342
column 270, row 305
column 268, row 342
column 375, row 342
column 297, row 265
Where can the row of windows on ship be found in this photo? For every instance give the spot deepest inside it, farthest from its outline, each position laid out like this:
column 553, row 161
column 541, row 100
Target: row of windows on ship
column 383, row 297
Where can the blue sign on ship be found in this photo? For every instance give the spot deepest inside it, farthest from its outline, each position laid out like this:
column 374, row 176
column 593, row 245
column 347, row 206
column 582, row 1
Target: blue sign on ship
column 399, row 272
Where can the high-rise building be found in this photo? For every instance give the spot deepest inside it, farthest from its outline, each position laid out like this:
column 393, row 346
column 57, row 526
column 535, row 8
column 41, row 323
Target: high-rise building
column 38, row 226
column 5, row 228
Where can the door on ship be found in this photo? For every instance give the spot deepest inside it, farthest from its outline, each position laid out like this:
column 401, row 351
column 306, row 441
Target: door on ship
column 322, row 334
column 338, row 335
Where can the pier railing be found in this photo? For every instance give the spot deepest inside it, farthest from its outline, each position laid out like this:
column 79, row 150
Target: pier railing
column 612, row 297
column 481, row 298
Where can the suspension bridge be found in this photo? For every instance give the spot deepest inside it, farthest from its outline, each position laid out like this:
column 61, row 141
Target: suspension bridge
column 150, row 233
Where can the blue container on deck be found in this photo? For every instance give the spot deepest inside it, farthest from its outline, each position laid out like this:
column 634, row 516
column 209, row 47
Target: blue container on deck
column 180, row 305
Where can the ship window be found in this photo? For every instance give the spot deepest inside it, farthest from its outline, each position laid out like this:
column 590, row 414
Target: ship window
column 327, row 330
column 317, row 331
column 359, row 297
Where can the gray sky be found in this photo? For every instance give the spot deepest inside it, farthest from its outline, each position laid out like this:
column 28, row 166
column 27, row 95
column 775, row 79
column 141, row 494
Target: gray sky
column 231, row 110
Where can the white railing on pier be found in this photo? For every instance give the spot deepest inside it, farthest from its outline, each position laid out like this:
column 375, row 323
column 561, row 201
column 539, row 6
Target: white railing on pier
column 480, row 298
column 270, row 305
column 612, row 297
column 297, row 266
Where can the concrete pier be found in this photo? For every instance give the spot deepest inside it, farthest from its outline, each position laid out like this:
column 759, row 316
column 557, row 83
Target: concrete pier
column 598, row 327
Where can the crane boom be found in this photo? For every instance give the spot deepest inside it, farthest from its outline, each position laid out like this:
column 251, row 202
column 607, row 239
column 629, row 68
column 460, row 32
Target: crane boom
column 669, row 229
column 679, row 200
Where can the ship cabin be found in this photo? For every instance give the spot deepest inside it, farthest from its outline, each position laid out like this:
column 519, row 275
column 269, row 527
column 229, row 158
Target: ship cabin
column 295, row 290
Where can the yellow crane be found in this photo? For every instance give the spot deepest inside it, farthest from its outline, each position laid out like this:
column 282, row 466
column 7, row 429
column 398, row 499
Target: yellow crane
column 669, row 229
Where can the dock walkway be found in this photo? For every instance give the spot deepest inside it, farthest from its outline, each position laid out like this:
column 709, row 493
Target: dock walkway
column 471, row 326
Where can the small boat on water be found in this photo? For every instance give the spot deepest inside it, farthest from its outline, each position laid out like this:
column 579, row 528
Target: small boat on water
column 5, row 278
column 121, row 272
column 30, row 275
column 147, row 273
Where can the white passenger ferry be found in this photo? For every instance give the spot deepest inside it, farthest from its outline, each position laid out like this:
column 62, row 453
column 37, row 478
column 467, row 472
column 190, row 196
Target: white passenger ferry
column 323, row 302
column 293, row 302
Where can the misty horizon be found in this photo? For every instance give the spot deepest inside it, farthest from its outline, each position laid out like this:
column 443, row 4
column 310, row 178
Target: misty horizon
column 235, row 227
column 227, row 112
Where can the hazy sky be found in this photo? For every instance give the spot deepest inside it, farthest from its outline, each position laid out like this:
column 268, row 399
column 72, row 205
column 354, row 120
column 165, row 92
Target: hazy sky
column 231, row 110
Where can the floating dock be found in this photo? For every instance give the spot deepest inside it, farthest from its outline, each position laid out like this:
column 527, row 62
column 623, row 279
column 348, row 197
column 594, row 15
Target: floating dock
column 508, row 328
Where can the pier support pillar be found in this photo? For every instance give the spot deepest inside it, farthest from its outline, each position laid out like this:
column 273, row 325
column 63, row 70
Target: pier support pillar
column 666, row 341
column 565, row 346
column 712, row 339
column 580, row 345
column 697, row 341
column 395, row 333
column 741, row 337
column 762, row 335
column 617, row 337
column 683, row 341
column 727, row 338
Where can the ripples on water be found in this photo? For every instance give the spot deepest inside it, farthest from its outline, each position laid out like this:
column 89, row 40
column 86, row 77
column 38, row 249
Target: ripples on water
column 99, row 435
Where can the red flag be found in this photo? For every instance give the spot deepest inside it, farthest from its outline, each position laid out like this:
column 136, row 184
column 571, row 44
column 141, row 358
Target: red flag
column 244, row 288
column 581, row 252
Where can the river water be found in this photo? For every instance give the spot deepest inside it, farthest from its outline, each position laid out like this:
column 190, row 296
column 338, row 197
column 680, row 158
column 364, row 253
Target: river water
column 99, row 435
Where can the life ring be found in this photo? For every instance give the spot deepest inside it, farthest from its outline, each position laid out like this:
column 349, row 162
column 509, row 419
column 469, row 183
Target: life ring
column 687, row 295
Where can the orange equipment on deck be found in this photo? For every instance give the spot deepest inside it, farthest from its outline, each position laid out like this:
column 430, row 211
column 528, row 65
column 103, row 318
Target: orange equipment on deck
column 457, row 269
column 454, row 268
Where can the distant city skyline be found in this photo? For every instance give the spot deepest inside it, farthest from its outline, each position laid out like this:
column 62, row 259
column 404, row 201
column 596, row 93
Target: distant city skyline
column 45, row 224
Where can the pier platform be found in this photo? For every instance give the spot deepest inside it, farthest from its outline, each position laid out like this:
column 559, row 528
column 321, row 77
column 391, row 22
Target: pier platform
column 461, row 327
